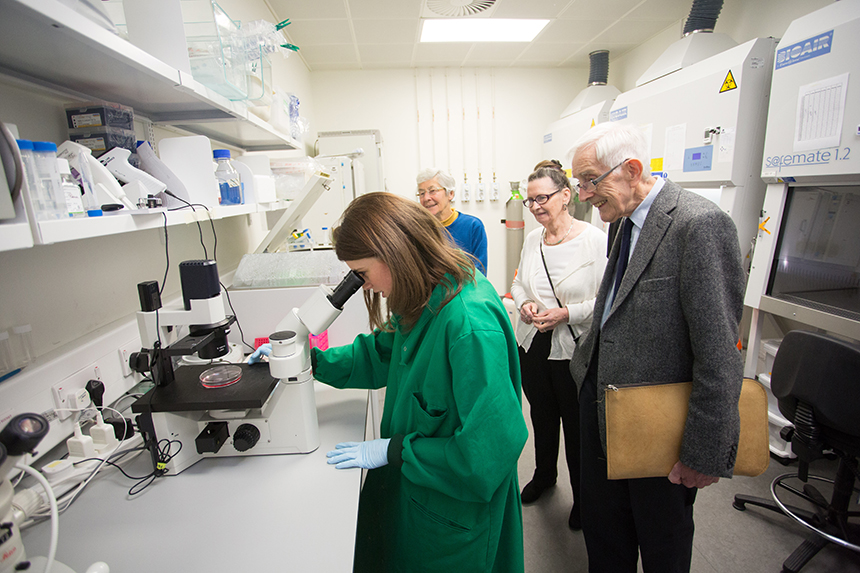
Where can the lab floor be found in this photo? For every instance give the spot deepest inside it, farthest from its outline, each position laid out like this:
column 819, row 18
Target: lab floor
column 726, row 540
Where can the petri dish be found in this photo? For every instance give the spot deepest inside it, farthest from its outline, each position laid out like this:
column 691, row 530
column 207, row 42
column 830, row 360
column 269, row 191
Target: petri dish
column 221, row 376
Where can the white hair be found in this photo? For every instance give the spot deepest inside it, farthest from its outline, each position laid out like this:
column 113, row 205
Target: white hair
column 613, row 143
column 445, row 180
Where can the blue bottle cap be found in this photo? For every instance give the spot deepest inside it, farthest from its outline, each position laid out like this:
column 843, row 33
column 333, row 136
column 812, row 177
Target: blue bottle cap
column 221, row 153
column 44, row 146
column 24, row 144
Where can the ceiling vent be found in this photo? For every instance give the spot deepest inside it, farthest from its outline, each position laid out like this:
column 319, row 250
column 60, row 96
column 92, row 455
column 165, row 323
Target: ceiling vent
column 699, row 42
column 457, row 8
column 597, row 90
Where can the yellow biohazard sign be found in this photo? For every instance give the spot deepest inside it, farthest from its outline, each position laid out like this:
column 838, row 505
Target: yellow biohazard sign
column 729, row 83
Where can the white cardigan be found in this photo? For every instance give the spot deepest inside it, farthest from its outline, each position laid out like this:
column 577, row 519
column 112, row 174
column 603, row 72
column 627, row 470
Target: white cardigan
column 575, row 288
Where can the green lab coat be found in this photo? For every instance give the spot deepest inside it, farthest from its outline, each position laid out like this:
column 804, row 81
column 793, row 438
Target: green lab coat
column 448, row 500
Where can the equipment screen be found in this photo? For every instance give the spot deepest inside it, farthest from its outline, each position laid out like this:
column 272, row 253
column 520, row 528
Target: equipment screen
column 817, row 262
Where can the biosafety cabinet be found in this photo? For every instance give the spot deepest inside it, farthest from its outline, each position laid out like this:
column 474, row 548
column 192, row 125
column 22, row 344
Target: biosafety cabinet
column 806, row 266
column 706, row 126
column 563, row 133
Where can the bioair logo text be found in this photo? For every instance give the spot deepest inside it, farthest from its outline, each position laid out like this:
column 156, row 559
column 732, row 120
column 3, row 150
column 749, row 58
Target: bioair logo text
column 805, row 50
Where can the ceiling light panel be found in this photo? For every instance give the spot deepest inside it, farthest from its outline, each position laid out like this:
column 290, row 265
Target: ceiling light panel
column 481, row 30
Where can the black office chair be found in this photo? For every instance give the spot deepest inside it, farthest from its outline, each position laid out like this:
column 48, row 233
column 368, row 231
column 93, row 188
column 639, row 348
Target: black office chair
column 816, row 379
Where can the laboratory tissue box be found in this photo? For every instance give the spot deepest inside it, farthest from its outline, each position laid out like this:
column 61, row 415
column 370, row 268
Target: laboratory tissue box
column 103, row 139
column 88, row 116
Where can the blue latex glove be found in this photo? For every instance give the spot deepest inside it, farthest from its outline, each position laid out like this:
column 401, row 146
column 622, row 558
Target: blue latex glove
column 367, row 455
column 262, row 350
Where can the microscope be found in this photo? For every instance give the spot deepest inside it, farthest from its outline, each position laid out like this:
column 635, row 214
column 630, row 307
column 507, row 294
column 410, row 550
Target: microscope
column 19, row 437
column 224, row 410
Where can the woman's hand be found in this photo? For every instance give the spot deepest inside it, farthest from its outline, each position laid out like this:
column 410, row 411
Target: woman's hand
column 528, row 311
column 550, row 318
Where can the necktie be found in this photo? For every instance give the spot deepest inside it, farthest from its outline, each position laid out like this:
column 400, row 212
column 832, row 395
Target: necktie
column 623, row 255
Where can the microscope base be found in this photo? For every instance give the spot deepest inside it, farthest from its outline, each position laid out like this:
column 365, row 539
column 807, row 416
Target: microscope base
column 287, row 424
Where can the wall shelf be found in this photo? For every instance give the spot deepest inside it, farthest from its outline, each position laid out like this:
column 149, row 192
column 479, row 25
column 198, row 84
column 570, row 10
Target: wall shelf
column 49, row 44
column 84, row 228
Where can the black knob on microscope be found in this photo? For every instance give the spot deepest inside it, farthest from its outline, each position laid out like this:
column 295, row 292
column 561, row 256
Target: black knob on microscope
column 245, row 437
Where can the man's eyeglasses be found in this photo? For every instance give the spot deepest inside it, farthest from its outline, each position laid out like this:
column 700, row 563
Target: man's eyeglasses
column 540, row 199
column 430, row 191
column 580, row 187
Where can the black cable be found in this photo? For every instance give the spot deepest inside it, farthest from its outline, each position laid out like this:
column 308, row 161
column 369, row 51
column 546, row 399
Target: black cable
column 239, row 326
column 166, row 255
column 164, row 456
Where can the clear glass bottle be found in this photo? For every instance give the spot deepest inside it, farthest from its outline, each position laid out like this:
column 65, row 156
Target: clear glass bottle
column 22, row 345
column 229, row 182
column 7, row 362
column 54, row 201
column 71, row 190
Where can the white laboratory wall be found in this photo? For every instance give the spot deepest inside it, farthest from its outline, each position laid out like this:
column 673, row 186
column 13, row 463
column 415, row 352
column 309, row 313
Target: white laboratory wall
column 524, row 102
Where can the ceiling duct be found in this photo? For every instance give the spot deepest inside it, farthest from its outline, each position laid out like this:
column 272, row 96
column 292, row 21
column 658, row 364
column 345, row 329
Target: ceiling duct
column 457, row 8
column 597, row 90
column 699, row 42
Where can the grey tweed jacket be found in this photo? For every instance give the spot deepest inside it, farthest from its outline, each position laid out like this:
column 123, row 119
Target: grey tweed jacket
column 676, row 319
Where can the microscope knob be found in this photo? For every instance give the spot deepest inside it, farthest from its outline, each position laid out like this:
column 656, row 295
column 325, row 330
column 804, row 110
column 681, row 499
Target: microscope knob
column 245, row 437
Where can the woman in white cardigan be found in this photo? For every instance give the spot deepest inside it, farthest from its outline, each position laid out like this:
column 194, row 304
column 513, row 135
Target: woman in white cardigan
column 560, row 269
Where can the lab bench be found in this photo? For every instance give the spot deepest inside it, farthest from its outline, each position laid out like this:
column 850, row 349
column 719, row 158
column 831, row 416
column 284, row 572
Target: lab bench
column 254, row 513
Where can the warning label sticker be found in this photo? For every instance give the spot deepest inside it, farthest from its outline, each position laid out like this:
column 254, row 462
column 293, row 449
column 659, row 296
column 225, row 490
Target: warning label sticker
column 729, row 83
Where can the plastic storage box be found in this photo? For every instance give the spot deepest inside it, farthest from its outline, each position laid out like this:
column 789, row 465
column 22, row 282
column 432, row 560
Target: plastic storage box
column 88, row 116
column 103, row 139
column 216, row 49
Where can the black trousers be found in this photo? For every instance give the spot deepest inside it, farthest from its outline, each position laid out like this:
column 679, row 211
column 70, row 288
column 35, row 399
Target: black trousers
column 551, row 393
column 620, row 518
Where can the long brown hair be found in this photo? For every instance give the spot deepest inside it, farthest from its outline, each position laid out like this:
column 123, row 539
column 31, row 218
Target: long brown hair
column 412, row 243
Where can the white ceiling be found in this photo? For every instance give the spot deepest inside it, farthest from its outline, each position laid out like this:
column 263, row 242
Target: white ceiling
column 374, row 34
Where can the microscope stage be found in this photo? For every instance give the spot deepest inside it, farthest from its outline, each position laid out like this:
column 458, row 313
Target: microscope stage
column 186, row 393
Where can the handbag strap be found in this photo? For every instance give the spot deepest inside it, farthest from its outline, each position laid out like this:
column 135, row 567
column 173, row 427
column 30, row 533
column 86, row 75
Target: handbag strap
column 552, row 287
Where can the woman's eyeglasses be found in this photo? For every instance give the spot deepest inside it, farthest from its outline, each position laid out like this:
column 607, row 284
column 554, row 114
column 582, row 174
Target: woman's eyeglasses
column 540, row 199
column 431, row 191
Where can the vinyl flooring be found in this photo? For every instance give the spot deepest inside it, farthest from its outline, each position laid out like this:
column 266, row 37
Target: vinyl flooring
column 726, row 540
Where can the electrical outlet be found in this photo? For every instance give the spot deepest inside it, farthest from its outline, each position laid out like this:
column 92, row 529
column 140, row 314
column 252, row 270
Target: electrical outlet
column 125, row 351
column 71, row 393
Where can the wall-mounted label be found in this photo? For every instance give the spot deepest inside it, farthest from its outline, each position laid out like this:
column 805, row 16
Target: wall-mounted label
column 804, row 50
column 547, row 138
column 698, row 158
column 618, row 114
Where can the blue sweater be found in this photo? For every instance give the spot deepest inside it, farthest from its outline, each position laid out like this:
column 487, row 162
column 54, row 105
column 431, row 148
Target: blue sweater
column 469, row 234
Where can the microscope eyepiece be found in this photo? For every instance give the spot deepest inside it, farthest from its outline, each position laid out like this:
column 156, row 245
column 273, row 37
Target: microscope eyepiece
column 23, row 433
column 347, row 287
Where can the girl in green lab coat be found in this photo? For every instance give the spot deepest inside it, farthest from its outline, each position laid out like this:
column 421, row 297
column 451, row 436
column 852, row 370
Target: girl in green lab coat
column 441, row 493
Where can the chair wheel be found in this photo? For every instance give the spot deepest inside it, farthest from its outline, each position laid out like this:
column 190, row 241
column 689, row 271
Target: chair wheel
column 739, row 505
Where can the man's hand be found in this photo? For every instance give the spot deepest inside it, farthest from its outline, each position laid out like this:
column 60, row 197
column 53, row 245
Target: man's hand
column 689, row 477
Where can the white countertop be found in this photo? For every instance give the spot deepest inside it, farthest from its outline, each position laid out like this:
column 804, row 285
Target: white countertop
column 255, row 513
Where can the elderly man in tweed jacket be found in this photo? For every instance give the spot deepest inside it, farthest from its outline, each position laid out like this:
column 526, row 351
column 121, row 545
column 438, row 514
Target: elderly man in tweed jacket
column 673, row 316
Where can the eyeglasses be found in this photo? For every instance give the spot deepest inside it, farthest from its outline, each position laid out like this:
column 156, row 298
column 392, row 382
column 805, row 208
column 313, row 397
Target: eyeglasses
column 581, row 187
column 430, row 191
column 540, row 199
